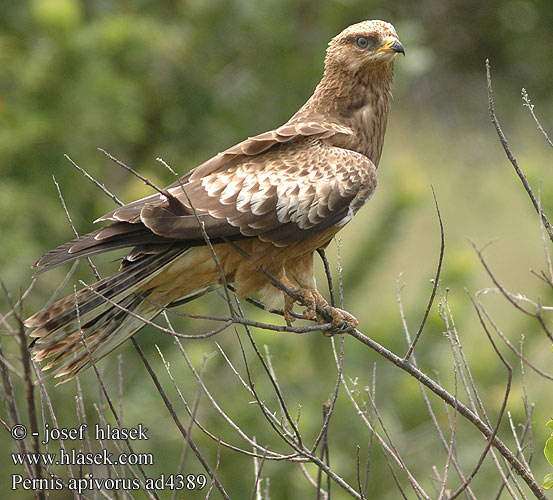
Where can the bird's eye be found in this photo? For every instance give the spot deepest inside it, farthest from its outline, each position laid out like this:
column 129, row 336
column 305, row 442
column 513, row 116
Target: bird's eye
column 362, row 42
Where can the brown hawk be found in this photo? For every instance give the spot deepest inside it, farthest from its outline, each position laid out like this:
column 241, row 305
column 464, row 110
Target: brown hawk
column 266, row 203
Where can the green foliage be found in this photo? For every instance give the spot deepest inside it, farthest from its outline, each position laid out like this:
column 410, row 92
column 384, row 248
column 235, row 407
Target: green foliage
column 548, row 451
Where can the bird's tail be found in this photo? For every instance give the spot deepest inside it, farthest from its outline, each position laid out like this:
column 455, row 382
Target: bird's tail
column 86, row 326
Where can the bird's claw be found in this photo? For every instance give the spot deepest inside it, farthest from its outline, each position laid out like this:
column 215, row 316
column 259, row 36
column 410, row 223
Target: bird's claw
column 312, row 299
column 308, row 299
column 340, row 320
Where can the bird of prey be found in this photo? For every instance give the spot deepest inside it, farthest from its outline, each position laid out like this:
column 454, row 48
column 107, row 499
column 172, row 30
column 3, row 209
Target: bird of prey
column 266, row 204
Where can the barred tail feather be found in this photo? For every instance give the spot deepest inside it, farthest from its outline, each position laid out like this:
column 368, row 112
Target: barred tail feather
column 101, row 337
column 91, row 314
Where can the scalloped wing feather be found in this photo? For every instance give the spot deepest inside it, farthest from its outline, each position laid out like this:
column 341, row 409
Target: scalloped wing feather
column 287, row 176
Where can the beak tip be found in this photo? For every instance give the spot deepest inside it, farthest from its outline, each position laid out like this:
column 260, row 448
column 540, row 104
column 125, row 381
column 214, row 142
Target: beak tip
column 398, row 47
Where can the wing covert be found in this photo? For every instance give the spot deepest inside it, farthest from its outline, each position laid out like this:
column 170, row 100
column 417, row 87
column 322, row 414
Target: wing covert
column 281, row 186
column 285, row 195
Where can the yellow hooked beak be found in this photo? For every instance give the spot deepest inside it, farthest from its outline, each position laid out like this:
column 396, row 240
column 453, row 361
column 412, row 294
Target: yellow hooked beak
column 391, row 46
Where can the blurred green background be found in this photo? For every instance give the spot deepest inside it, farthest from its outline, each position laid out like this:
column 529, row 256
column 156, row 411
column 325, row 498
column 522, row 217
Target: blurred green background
column 183, row 80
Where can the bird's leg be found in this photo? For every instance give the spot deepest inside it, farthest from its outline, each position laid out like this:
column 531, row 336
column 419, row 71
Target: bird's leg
column 288, row 307
column 338, row 316
column 306, row 298
column 311, row 298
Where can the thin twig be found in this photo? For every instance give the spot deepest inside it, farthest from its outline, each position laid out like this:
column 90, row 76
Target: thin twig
column 461, row 408
column 177, row 421
column 145, row 180
column 104, row 392
column 501, row 411
column 435, row 282
column 270, row 455
column 106, row 191
column 526, row 102
column 509, row 344
column 431, row 412
column 256, row 490
column 70, row 220
column 510, row 155
column 509, row 297
column 328, row 414
column 29, row 391
column 328, row 274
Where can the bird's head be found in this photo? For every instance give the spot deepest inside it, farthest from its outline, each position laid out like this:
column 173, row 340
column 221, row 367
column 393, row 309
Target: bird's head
column 363, row 46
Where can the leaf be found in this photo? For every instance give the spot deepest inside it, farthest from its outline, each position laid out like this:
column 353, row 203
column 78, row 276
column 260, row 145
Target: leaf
column 547, row 481
column 548, row 450
column 549, row 424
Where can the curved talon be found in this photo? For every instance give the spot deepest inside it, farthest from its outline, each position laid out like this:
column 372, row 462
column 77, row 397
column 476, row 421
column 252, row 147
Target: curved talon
column 341, row 319
column 311, row 299
column 288, row 317
column 307, row 298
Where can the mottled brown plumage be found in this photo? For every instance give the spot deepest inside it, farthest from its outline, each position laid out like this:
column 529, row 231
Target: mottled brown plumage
column 279, row 196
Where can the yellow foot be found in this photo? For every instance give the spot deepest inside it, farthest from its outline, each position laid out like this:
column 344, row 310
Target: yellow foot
column 340, row 318
column 307, row 298
column 311, row 298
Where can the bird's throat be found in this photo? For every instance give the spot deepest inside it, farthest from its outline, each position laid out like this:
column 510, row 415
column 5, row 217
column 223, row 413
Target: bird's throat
column 359, row 101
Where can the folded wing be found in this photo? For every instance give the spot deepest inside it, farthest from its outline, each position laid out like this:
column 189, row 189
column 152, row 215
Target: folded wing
column 281, row 186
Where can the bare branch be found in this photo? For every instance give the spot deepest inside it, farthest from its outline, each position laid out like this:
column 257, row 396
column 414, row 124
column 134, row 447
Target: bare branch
column 106, row 191
column 462, row 409
column 510, row 155
column 526, row 102
column 177, row 421
column 436, row 281
column 145, row 180
column 29, row 389
column 70, row 220
column 501, row 411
